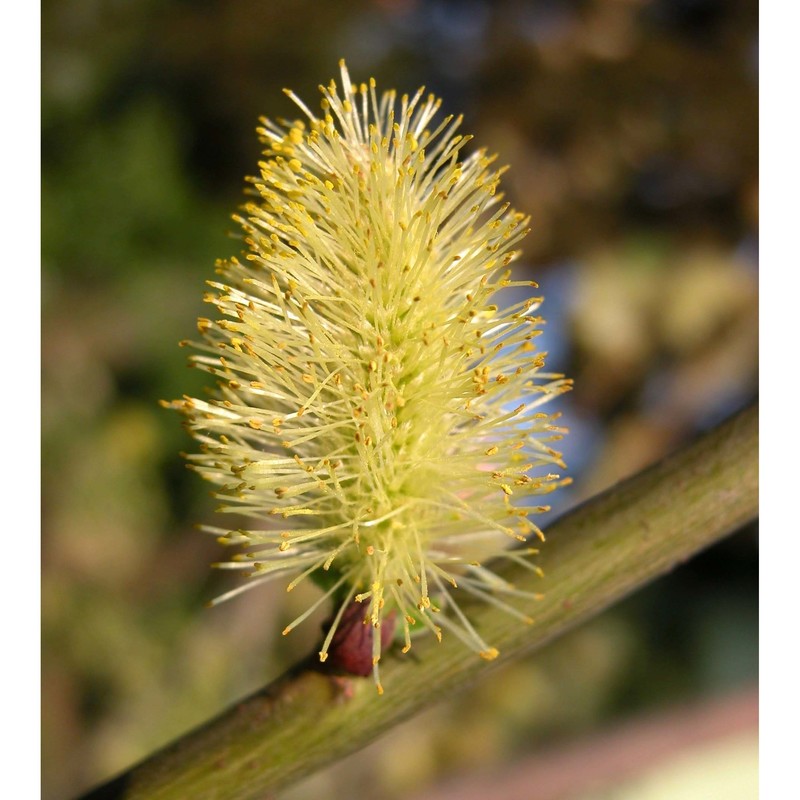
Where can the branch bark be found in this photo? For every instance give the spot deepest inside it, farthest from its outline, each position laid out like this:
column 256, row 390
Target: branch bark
column 594, row 556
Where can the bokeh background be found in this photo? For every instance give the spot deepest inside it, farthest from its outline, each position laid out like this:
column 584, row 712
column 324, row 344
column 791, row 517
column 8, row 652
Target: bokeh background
column 631, row 129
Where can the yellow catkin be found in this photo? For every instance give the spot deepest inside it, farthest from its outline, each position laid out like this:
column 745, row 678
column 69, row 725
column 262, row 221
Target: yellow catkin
column 377, row 412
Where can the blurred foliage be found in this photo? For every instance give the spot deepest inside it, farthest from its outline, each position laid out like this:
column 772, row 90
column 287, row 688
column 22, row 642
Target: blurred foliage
column 631, row 129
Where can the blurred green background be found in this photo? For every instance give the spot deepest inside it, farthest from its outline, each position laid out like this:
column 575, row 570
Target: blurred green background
column 631, row 129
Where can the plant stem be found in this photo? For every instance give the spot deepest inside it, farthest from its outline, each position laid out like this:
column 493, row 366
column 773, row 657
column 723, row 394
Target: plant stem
column 595, row 555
